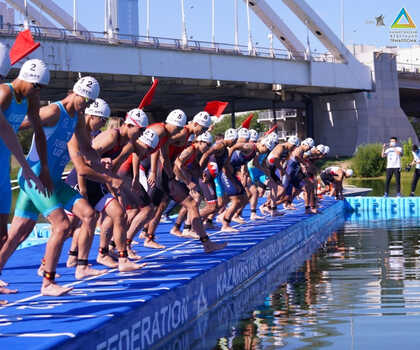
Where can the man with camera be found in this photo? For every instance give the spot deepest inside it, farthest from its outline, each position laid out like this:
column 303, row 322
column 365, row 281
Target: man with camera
column 393, row 153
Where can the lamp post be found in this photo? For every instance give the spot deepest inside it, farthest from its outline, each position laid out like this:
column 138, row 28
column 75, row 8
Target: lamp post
column 184, row 38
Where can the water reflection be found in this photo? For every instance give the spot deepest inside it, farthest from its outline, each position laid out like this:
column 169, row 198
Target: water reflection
column 360, row 290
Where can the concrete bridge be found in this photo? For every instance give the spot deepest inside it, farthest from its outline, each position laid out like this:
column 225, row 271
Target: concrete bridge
column 332, row 88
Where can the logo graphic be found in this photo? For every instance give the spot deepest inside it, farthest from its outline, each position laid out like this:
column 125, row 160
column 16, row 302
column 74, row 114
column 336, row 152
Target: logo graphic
column 380, row 20
column 403, row 30
column 408, row 21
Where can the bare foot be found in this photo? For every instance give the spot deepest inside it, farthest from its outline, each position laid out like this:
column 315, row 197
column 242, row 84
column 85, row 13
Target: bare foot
column 7, row 291
column 54, row 290
column 125, row 265
column 106, row 260
column 3, row 284
column 176, row 232
column 238, row 219
column 41, row 272
column 3, row 302
column 152, row 244
column 264, row 210
column 210, row 246
column 71, row 261
column 228, row 229
column 219, row 218
column 87, row 271
column 134, row 242
column 142, row 235
column 190, row 234
column 132, row 254
column 256, row 217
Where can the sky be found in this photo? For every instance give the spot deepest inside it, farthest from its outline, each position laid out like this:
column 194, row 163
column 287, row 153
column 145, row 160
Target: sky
column 359, row 20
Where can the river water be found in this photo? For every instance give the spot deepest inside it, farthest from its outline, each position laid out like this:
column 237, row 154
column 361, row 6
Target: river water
column 360, row 290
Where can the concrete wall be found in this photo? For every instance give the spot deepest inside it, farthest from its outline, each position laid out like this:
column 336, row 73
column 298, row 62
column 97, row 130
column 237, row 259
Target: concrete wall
column 345, row 121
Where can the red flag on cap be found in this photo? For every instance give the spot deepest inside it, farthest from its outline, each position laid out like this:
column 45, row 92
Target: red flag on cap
column 247, row 122
column 215, row 108
column 23, row 46
column 147, row 99
column 271, row 130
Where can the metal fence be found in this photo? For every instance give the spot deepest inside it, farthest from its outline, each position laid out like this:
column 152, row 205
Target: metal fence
column 42, row 33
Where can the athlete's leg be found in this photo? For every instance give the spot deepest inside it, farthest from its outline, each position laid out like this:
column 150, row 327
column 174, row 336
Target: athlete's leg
column 88, row 217
column 176, row 229
column 117, row 214
column 60, row 227
column 103, row 256
column 143, row 216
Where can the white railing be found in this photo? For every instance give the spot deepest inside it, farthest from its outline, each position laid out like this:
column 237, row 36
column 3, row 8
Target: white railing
column 42, row 33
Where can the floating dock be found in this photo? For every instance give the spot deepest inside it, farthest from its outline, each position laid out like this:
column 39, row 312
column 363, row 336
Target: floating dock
column 180, row 287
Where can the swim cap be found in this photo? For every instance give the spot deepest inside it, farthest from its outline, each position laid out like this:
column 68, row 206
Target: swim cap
column 87, row 87
column 137, row 117
column 149, row 138
column 205, row 137
column 231, row 134
column 243, row 134
column 202, row 118
column 98, row 108
column 177, row 117
column 294, row 140
column 253, row 135
column 35, row 71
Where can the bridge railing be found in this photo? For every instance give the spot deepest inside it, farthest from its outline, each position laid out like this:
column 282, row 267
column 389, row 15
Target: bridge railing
column 409, row 68
column 165, row 43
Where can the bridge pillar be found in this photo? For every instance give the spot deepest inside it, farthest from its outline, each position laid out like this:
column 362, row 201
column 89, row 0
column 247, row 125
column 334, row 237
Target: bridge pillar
column 344, row 121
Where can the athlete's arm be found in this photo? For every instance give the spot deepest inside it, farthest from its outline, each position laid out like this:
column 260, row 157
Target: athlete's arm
column 40, row 142
column 84, row 170
column 10, row 139
column 180, row 169
column 122, row 157
column 164, row 151
column 205, row 158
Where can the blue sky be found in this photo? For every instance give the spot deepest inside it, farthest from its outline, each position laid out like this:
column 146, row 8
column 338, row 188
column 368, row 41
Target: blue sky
column 166, row 19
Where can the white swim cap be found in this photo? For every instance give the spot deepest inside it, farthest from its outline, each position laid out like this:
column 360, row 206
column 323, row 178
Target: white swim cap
column 253, row 135
column 243, row 134
column 202, row 118
column 294, row 140
column 269, row 142
column 177, row 117
column 35, row 71
column 87, row 87
column 205, row 137
column 99, row 108
column 349, row 172
column 326, row 149
column 4, row 60
column 149, row 138
column 231, row 134
column 137, row 117
column 308, row 142
column 273, row 136
column 321, row 148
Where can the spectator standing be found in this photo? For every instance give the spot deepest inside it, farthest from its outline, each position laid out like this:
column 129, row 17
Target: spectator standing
column 416, row 162
column 393, row 153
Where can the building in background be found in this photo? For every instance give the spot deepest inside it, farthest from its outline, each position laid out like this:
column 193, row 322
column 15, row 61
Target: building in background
column 290, row 122
column 7, row 15
column 128, row 17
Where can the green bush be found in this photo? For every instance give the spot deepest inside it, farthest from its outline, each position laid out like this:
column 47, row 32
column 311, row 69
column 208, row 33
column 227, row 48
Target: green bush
column 367, row 161
column 407, row 155
column 221, row 127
